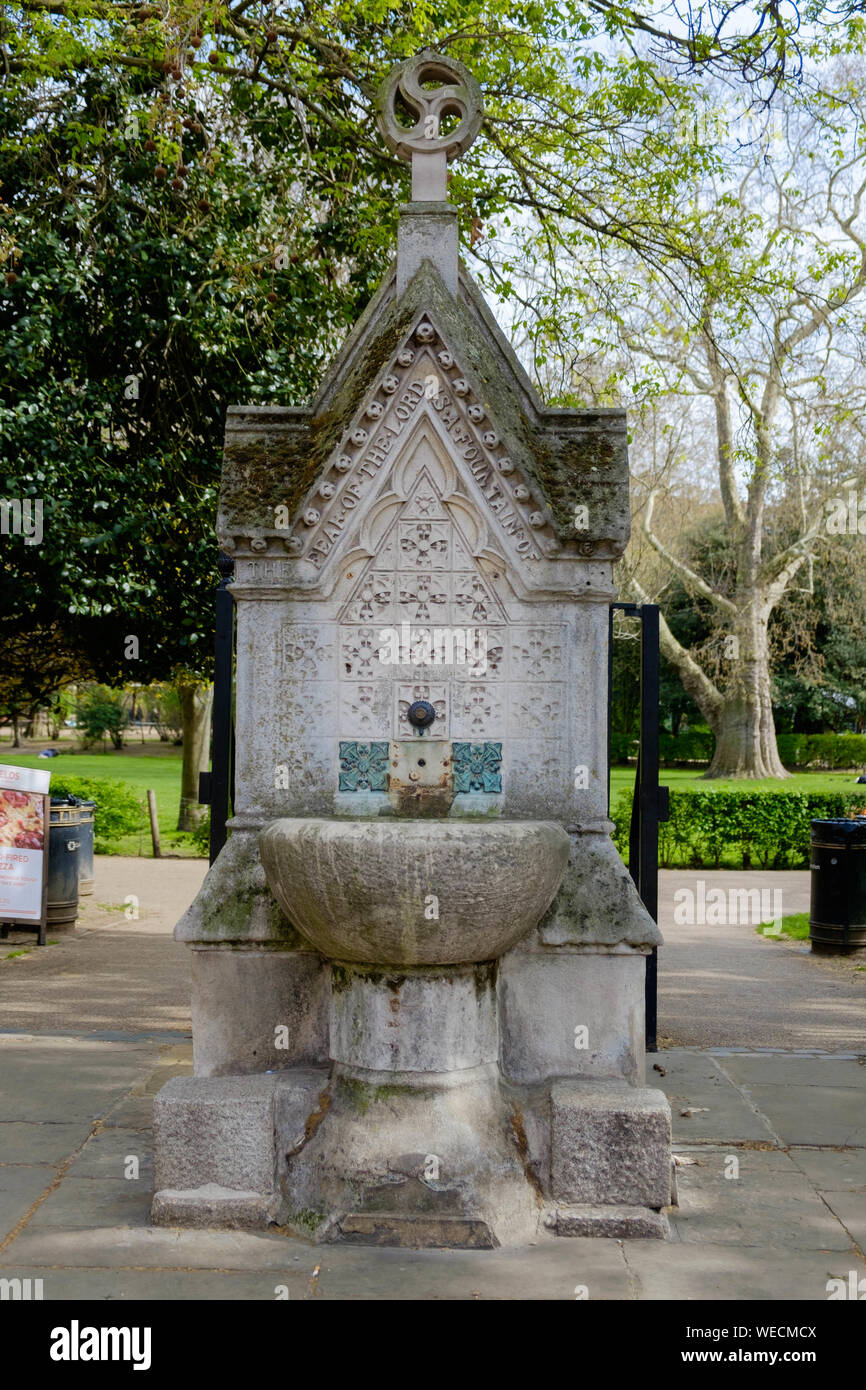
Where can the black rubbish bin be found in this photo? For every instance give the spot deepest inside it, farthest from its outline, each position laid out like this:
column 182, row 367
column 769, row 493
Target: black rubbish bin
column 837, row 916
column 86, row 812
column 64, row 845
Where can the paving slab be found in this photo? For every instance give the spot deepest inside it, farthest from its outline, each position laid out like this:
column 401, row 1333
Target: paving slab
column 87, row 1203
column 106, row 1154
column 717, row 1110
column 559, row 1269
column 822, row 1115
column 731, row 1273
column 850, row 1209
column 784, row 1069
column 833, row 1170
column 43, row 1141
column 19, row 1188
column 160, row 1285
column 764, row 1202
column 160, row 1247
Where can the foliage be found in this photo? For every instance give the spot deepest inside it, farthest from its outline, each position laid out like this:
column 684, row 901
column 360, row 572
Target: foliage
column 823, row 750
column 748, row 829
column 118, row 809
column 162, row 702
column 100, row 712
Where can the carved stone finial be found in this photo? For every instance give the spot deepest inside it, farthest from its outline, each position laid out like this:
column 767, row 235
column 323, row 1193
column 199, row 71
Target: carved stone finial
column 424, row 144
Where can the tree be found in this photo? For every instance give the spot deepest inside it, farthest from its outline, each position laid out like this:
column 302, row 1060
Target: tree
column 755, row 340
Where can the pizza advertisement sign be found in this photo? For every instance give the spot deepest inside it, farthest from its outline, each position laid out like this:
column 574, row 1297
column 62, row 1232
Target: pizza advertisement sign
column 24, row 823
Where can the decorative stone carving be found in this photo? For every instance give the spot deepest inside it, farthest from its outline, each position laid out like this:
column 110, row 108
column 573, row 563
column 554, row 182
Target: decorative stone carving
column 363, row 767
column 477, row 767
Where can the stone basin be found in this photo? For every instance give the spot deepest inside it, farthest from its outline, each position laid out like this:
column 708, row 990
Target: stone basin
column 369, row 891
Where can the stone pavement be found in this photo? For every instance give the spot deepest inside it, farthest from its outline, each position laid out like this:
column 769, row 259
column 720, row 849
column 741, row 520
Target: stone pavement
column 772, row 1183
column 772, row 1194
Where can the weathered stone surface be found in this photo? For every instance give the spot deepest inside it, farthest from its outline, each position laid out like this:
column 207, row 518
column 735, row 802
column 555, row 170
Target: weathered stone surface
column 234, row 903
column 211, row 1205
column 613, row 1222
column 427, row 1149
column 423, row 1022
column 545, row 995
column 367, row 891
column 256, row 1010
column 610, row 1144
column 415, row 1232
column 597, row 902
column 220, row 1145
column 215, row 1130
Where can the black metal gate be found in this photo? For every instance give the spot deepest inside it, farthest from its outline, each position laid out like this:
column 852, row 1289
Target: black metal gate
column 651, row 803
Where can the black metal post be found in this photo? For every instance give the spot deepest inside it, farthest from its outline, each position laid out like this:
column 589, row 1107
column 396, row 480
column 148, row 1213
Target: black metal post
column 650, row 802
column 648, row 781
column 222, row 771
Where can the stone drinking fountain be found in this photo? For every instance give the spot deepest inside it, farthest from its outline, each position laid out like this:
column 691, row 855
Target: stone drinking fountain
column 418, row 962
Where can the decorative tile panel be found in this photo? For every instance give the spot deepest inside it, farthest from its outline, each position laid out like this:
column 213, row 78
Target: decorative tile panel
column 537, row 653
column 359, row 653
column 363, row 767
column 478, row 767
column 424, row 545
column 365, row 709
column 307, row 651
column 478, row 710
column 538, row 707
column 436, row 695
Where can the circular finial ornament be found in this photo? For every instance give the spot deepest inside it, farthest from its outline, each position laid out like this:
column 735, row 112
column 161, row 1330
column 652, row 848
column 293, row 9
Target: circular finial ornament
column 456, row 93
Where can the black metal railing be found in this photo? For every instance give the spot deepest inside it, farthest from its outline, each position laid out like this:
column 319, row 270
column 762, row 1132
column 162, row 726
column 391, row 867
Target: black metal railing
column 216, row 788
column 650, row 803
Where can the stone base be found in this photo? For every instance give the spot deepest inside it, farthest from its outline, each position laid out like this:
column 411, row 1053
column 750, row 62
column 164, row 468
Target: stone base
column 415, row 1232
column 610, row 1145
column 213, row 1206
column 612, row 1222
column 216, row 1157
column 413, row 1160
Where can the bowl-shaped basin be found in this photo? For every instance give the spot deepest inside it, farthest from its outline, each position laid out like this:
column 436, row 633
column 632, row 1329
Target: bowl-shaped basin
column 413, row 892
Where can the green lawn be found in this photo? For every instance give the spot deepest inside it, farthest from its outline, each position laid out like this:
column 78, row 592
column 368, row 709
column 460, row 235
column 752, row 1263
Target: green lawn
column 683, row 778
column 144, row 767
column 795, row 926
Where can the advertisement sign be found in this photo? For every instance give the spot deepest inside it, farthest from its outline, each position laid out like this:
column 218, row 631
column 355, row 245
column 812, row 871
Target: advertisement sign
column 24, row 822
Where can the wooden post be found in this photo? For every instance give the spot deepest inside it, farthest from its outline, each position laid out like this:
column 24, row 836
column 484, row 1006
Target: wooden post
column 154, row 823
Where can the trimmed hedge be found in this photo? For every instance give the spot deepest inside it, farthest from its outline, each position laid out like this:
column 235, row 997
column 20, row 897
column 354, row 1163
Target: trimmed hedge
column 796, row 750
column 822, row 750
column 118, row 809
column 743, row 829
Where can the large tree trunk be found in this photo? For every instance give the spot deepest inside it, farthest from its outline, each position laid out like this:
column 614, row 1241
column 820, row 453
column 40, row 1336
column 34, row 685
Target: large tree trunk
column 196, row 701
column 16, row 732
column 743, row 726
column 745, row 732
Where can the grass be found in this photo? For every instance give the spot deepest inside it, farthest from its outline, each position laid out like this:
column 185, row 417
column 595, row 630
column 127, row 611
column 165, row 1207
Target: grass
column 149, row 766
column 795, row 927
column 687, row 778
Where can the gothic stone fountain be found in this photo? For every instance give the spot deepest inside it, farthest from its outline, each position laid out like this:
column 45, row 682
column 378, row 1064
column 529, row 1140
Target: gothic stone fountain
column 418, row 962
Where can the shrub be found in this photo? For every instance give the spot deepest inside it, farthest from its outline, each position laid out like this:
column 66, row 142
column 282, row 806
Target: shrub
column 763, row 829
column 102, row 712
column 118, row 809
column 822, row 750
